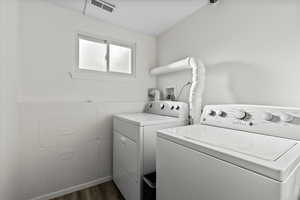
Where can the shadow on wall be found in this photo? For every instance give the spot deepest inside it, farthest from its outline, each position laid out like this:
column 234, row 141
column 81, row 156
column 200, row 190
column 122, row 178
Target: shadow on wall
column 236, row 82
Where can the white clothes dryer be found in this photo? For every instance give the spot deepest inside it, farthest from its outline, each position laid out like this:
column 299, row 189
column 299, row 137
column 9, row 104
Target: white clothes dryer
column 134, row 143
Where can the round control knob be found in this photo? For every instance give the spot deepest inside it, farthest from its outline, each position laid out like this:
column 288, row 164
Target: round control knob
column 162, row 107
column 177, row 107
column 212, row 113
column 238, row 114
column 286, row 118
column 150, row 105
column 221, row 113
column 172, row 107
column 268, row 116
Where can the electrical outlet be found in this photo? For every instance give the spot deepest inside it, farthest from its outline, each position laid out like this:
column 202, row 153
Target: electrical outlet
column 170, row 93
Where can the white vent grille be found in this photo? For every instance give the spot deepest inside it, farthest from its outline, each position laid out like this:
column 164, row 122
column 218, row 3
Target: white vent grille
column 104, row 5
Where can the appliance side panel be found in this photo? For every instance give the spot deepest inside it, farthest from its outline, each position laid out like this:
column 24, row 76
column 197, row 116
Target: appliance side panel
column 183, row 173
column 291, row 187
column 140, row 163
column 150, row 134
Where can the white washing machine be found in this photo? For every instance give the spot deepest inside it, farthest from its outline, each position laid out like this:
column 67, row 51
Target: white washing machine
column 238, row 152
column 134, row 146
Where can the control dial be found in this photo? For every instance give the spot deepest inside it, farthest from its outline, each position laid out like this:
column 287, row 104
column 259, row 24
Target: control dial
column 221, row 113
column 212, row 113
column 268, row 116
column 238, row 114
column 286, row 117
column 162, row 106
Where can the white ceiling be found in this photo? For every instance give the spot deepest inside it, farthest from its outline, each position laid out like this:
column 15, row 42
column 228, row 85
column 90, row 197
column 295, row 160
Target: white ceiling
column 147, row 16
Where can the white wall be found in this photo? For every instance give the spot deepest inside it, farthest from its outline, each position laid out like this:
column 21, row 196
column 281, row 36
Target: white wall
column 250, row 48
column 66, row 139
column 1, row 100
column 9, row 136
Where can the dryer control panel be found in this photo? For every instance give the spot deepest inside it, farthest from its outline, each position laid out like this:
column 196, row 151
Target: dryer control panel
column 269, row 120
column 168, row 108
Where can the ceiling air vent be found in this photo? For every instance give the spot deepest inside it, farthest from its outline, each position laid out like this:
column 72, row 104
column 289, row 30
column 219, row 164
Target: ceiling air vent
column 104, row 5
column 213, row 1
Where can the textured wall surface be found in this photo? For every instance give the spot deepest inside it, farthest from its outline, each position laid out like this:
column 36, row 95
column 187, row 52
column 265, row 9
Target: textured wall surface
column 9, row 71
column 250, row 48
column 66, row 123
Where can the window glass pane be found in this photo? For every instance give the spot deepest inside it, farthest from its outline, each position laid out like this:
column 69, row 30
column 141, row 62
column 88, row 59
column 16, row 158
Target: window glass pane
column 92, row 55
column 120, row 59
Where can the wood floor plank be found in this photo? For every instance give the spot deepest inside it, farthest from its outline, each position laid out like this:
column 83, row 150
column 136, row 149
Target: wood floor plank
column 105, row 191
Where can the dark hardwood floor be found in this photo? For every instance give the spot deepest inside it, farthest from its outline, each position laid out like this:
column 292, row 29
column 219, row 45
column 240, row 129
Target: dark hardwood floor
column 105, row 191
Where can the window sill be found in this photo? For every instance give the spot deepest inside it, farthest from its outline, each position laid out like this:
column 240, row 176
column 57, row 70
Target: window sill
column 100, row 76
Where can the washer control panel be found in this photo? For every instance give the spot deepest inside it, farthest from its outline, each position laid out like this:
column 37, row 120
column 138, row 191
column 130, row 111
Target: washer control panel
column 168, row 108
column 268, row 120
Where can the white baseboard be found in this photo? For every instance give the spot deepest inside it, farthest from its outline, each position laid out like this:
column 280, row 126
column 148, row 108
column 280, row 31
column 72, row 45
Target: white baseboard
column 73, row 189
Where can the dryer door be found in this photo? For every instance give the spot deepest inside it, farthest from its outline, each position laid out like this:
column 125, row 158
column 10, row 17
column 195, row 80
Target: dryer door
column 125, row 164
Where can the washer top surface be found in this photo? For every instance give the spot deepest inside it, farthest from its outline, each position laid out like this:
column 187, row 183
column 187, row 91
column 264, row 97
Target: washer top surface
column 260, row 146
column 147, row 119
column 266, row 155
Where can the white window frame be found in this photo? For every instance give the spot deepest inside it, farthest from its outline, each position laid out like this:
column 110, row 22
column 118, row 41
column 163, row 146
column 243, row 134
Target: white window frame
column 93, row 74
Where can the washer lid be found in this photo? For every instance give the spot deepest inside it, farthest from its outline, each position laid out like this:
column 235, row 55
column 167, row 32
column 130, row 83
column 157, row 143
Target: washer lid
column 147, row 119
column 259, row 146
column 270, row 156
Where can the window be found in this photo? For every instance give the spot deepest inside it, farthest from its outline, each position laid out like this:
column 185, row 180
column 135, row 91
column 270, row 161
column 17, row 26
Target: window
column 92, row 55
column 105, row 56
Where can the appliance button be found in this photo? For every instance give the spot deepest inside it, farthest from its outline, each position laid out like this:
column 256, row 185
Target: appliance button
column 162, row 106
column 286, row 118
column 240, row 114
column 212, row 113
column 172, row 107
column 268, row 116
column 177, row 107
column 221, row 113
